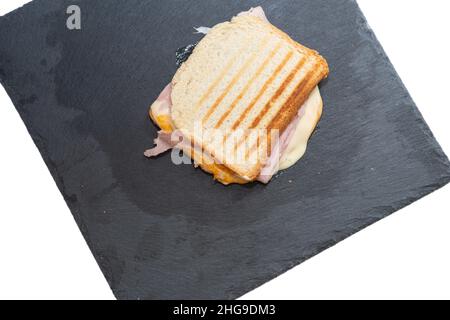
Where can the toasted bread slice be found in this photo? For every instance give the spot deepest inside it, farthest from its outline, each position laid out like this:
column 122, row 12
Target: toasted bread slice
column 245, row 74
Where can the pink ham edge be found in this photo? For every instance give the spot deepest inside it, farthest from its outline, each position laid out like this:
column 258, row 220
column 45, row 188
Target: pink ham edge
column 165, row 94
column 164, row 141
column 273, row 163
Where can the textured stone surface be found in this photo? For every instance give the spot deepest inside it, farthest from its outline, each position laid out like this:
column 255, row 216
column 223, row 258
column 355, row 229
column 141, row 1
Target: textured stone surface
column 164, row 231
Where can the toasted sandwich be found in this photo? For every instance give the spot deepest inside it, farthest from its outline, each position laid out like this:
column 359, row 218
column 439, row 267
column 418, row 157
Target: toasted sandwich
column 245, row 102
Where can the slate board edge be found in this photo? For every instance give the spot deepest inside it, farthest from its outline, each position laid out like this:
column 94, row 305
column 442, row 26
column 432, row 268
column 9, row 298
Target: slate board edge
column 343, row 234
column 58, row 180
column 31, row 3
column 364, row 25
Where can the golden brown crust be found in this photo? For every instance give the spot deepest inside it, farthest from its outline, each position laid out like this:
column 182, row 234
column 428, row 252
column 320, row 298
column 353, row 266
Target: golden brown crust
column 223, row 174
column 220, row 172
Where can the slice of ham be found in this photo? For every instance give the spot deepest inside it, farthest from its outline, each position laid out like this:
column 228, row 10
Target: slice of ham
column 163, row 106
column 163, row 143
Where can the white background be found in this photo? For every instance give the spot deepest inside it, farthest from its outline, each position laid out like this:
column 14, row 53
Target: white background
column 406, row 256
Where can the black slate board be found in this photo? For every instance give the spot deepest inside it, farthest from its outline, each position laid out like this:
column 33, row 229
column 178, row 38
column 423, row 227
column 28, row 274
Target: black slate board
column 164, row 231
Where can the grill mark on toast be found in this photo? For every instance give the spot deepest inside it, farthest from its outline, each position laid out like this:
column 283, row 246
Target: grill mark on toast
column 263, row 90
column 247, row 86
column 233, row 82
column 273, row 100
column 301, row 97
column 278, row 93
column 304, row 81
column 298, row 92
column 217, row 81
column 254, row 147
column 260, row 94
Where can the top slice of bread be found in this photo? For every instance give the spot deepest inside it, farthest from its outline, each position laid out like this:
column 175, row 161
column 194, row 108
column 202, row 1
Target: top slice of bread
column 244, row 74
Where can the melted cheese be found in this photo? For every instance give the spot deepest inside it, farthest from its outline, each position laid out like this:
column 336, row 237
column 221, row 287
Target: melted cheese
column 312, row 111
column 161, row 116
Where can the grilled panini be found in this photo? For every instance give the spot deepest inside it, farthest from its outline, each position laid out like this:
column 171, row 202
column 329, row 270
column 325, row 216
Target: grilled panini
column 245, row 80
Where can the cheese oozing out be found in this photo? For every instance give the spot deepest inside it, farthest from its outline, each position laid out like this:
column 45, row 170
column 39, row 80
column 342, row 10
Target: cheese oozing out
column 310, row 114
